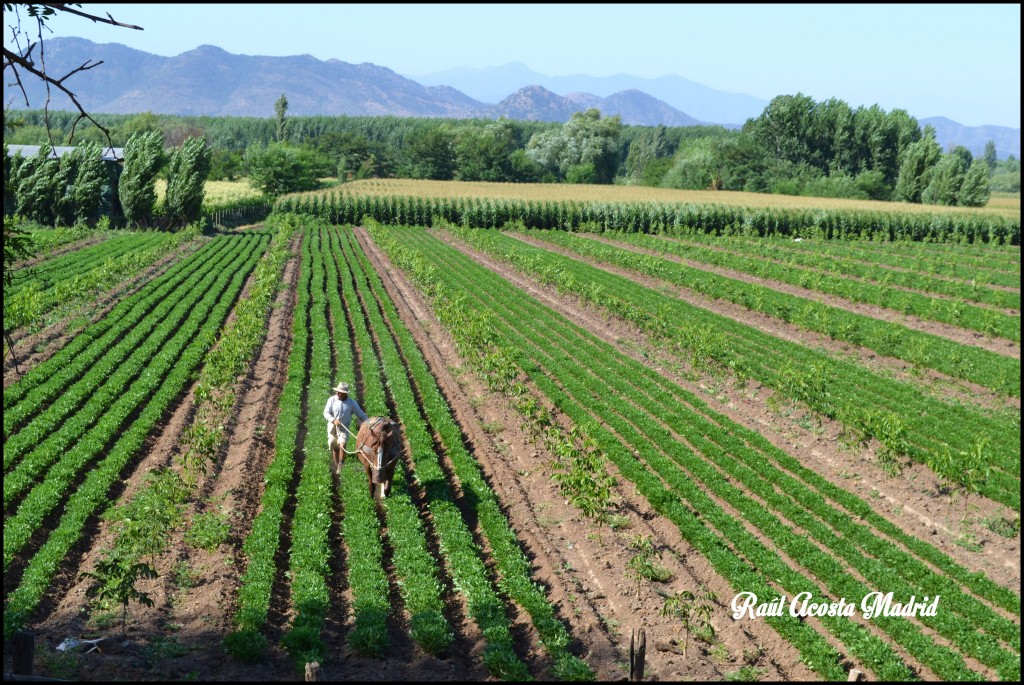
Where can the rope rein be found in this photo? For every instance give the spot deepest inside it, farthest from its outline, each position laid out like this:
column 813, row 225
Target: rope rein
column 349, row 431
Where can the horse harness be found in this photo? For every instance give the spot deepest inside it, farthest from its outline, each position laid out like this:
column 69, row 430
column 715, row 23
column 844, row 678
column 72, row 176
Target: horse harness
column 377, row 423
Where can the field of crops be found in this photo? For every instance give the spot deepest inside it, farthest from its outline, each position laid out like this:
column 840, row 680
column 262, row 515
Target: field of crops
column 604, row 430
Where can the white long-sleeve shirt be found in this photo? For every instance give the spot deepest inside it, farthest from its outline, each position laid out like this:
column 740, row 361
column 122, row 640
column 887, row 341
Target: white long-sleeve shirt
column 342, row 410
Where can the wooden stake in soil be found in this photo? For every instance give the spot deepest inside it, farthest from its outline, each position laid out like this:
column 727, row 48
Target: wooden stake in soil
column 637, row 654
column 314, row 674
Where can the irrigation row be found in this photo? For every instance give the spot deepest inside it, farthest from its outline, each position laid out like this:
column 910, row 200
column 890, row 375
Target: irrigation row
column 826, row 261
column 513, row 567
column 84, row 348
column 418, row 576
column 43, row 276
column 118, row 437
column 993, row 265
column 897, row 414
column 887, row 338
column 30, row 303
column 956, row 312
column 572, row 376
column 260, row 547
column 80, row 378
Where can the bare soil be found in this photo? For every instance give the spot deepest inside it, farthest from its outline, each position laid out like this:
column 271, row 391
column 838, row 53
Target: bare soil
column 911, row 501
column 584, row 564
column 32, row 348
column 581, row 564
column 963, row 336
column 929, row 380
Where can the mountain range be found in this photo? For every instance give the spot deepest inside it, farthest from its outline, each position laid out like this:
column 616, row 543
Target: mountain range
column 210, row 81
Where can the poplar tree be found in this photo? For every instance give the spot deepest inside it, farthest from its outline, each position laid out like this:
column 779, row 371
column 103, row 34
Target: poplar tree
column 280, row 108
column 916, row 166
column 83, row 176
column 975, row 190
column 143, row 157
column 186, row 179
column 37, row 186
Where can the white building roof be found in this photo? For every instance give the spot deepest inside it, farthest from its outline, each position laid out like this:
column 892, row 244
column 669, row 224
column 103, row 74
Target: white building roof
column 111, row 154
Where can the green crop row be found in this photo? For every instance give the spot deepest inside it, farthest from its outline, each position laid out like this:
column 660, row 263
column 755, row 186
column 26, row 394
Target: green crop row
column 169, row 373
column 716, row 446
column 753, row 255
column 45, row 239
column 260, row 547
column 432, row 277
column 653, row 217
column 214, row 392
column 360, row 526
column 45, row 275
column 950, row 311
column 581, row 382
column 462, row 555
column 417, row 571
column 91, row 400
column 887, row 338
column 309, row 557
column 94, row 340
column 144, row 524
column 108, row 342
column 31, row 303
column 897, row 414
column 512, row 564
column 158, row 358
column 983, row 264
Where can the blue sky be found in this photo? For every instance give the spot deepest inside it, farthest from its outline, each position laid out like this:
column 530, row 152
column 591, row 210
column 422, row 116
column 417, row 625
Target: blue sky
column 960, row 61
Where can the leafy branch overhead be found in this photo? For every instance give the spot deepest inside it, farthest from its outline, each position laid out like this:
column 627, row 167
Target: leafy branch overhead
column 28, row 55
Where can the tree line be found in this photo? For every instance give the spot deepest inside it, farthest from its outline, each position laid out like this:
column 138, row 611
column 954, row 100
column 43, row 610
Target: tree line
column 796, row 146
column 81, row 187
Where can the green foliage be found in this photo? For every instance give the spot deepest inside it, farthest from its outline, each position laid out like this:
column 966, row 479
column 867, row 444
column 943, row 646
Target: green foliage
column 693, row 611
column 485, row 154
column 247, row 645
column 975, row 190
column 115, row 579
column 430, row 154
column 144, row 524
column 280, row 120
column 745, row 674
column 186, row 180
column 642, row 565
column 945, row 180
column 209, row 530
column 989, row 157
column 697, row 166
column 644, row 149
column 586, row 138
column 143, row 158
column 225, row 165
column 916, row 163
column 281, row 168
column 37, row 186
column 581, row 173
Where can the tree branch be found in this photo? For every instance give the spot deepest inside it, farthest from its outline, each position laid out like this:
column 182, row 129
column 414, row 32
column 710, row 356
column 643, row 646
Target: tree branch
column 41, row 12
column 63, row 7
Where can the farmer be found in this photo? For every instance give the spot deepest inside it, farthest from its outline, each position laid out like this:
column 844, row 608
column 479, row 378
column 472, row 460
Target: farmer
column 338, row 413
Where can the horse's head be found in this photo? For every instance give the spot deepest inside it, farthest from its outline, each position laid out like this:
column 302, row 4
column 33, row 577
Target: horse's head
column 379, row 440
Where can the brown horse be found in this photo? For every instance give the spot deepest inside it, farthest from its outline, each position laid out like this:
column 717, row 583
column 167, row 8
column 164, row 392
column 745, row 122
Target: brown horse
column 379, row 445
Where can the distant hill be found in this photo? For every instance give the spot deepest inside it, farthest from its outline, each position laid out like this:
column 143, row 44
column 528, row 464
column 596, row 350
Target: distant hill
column 536, row 103
column 210, row 81
column 491, row 84
column 949, row 134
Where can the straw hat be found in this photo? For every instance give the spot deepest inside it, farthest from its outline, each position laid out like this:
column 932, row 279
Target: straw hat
column 342, row 387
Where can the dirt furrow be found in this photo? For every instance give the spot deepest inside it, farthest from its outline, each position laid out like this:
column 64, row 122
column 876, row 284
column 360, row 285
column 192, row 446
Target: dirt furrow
column 581, row 562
